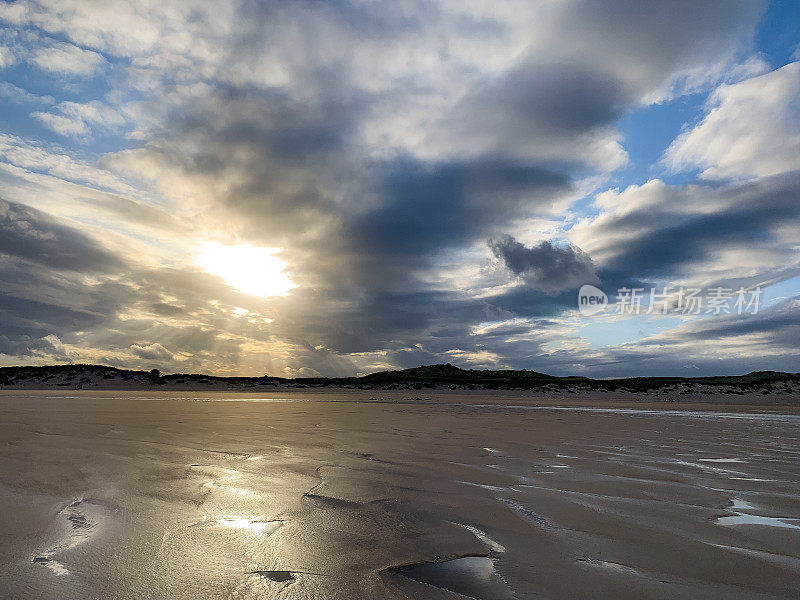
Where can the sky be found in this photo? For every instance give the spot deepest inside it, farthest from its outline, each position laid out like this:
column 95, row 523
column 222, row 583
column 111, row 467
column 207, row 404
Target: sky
column 334, row 188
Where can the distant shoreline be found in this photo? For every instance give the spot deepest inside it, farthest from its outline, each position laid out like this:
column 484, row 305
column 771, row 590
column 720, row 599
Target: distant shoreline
column 759, row 387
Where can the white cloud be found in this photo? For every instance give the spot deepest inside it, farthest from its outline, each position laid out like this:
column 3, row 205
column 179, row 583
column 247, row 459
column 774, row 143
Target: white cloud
column 752, row 129
column 58, row 163
column 13, row 12
column 6, row 57
column 22, row 96
column 76, row 119
column 411, row 73
column 60, row 124
column 752, row 67
column 153, row 351
column 66, row 58
column 93, row 112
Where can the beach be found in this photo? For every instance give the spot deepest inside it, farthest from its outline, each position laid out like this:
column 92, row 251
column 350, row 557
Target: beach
column 367, row 495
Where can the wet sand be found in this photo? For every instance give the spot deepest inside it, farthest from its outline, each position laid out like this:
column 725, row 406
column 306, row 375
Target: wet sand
column 144, row 495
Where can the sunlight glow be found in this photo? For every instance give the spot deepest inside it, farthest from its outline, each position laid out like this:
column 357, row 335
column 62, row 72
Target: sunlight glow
column 249, row 269
column 257, row 527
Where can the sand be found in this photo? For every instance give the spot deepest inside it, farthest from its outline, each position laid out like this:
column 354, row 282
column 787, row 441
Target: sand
column 154, row 495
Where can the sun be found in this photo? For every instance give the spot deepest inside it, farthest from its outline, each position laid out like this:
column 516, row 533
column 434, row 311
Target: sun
column 249, row 269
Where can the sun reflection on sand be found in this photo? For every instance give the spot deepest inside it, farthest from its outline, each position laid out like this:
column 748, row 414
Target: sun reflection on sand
column 257, row 527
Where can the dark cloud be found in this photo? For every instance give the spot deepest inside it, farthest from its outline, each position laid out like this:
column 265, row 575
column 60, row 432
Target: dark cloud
column 601, row 59
column 545, row 266
column 685, row 226
column 34, row 236
column 542, row 111
column 423, row 211
column 777, row 327
column 725, row 345
column 37, row 301
column 31, row 346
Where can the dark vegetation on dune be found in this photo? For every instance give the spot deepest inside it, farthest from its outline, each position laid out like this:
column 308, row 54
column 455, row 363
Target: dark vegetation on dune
column 430, row 376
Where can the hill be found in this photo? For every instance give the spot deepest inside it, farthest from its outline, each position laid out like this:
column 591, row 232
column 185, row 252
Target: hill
column 440, row 376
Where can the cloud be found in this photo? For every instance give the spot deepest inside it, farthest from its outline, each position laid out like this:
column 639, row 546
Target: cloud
column 6, row 57
column 537, row 111
column 545, row 266
column 35, row 157
column 77, row 119
column 13, row 12
column 751, row 129
column 22, row 96
column 64, row 58
column 154, row 351
column 33, row 236
column 699, row 234
column 427, row 208
column 774, row 330
column 556, row 98
column 60, row 124
column 48, row 347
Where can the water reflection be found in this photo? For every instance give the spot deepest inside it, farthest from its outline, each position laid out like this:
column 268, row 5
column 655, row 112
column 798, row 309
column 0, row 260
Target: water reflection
column 748, row 518
column 471, row 576
column 254, row 526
